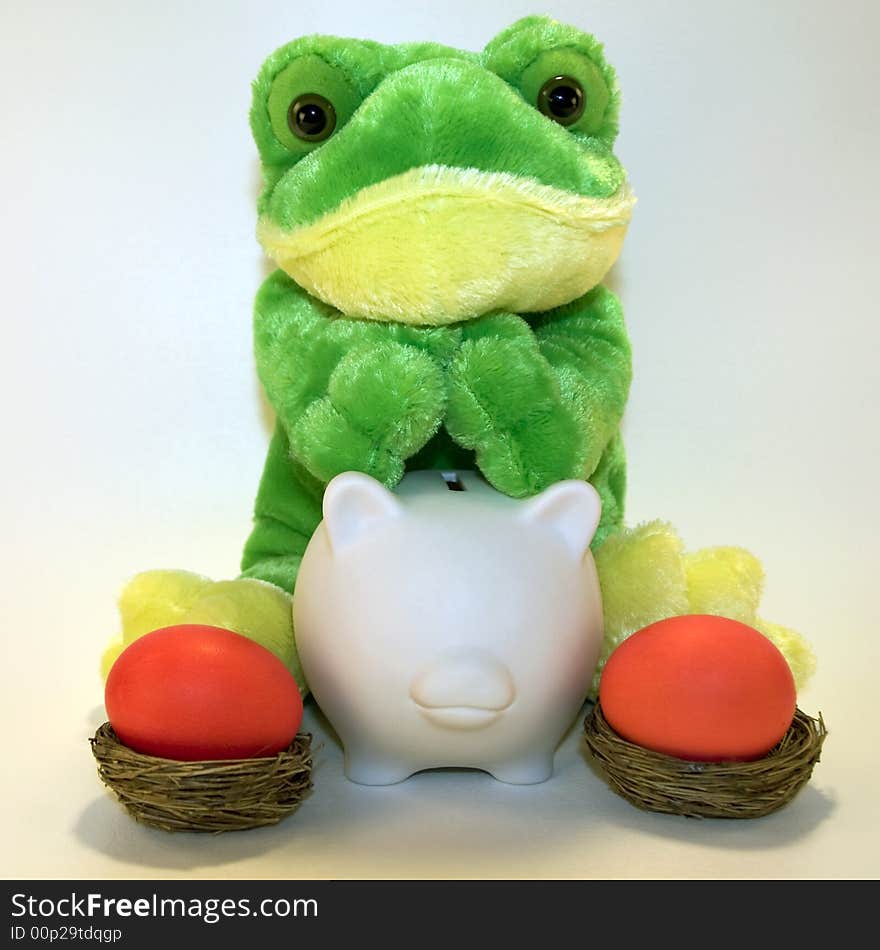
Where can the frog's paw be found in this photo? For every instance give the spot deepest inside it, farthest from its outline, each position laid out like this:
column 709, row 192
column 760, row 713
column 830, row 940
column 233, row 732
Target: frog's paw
column 506, row 404
column 729, row 582
column 256, row 609
column 641, row 573
column 110, row 654
column 645, row 576
column 382, row 405
column 724, row 581
column 793, row 647
column 150, row 600
column 642, row 576
column 154, row 599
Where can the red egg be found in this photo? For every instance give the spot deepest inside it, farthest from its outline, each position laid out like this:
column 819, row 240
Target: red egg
column 195, row 692
column 699, row 687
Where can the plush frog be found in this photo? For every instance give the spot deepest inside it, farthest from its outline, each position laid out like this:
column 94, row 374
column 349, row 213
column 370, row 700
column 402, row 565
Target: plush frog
column 441, row 222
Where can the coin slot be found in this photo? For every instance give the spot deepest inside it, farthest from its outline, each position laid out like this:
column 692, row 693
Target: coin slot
column 453, row 482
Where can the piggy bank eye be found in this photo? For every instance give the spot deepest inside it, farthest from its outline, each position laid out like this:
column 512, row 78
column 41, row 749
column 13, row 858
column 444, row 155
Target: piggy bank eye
column 562, row 99
column 311, row 117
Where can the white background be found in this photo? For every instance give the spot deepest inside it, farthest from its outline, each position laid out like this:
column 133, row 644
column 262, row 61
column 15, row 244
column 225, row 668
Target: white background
column 134, row 432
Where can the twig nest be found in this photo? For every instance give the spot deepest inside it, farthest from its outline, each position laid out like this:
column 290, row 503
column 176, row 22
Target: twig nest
column 663, row 783
column 215, row 795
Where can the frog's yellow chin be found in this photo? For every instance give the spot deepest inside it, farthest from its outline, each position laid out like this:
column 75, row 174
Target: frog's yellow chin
column 437, row 245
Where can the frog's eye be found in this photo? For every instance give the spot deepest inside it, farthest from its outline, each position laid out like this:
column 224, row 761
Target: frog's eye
column 311, row 117
column 562, row 99
column 308, row 101
column 569, row 88
column 560, row 71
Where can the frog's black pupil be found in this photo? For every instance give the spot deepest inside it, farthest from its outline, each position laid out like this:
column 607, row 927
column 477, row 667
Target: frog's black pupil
column 311, row 119
column 563, row 101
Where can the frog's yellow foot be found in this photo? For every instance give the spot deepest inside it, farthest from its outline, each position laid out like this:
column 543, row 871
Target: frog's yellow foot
column 251, row 607
column 793, row 647
column 646, row 576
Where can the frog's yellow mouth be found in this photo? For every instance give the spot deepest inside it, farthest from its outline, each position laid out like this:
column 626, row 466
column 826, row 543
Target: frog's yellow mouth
column 436, row 245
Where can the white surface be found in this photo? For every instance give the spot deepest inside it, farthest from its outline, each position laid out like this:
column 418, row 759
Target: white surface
column 449, row 628
column 134, row 433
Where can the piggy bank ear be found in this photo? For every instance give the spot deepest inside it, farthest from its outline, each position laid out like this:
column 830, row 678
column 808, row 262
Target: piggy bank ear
column 354, row 505
column 571, row 509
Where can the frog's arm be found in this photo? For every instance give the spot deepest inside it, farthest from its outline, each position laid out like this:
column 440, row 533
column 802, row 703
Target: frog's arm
column 349, row 395
column 540, row 400
column 286, row 512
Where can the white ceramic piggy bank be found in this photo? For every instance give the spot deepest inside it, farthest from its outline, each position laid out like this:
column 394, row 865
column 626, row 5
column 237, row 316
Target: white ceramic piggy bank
column 449, row 625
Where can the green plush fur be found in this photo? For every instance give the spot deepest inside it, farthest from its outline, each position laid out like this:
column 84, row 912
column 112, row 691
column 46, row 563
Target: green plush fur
column 443, row 158
column 425, row 104
column 528, row 399
column 535, row 400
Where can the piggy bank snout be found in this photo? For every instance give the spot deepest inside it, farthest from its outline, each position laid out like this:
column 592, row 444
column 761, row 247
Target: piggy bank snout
column 469, row 678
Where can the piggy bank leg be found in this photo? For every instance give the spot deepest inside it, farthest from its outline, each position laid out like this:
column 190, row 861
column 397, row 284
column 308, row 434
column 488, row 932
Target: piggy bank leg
column 529, row 770
column 365, row 768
